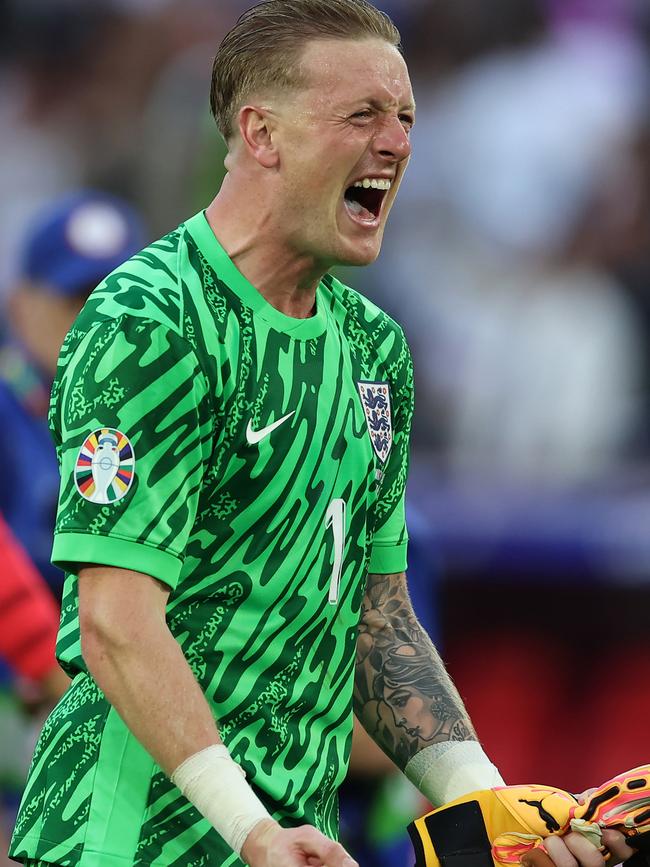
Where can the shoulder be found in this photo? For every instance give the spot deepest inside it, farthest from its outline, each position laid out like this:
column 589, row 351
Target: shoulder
column 366, row 323
column 148, row 286
column 141, row 319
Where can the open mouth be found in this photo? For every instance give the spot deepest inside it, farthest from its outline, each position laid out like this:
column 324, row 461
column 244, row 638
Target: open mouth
column 365, row 198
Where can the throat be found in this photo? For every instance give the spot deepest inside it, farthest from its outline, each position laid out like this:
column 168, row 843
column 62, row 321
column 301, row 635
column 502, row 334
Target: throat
column 286, row 287
column 285, row 277
column 300, row 306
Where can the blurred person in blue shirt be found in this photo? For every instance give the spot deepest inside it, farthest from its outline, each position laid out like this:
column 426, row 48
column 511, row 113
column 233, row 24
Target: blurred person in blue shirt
column 69, row 248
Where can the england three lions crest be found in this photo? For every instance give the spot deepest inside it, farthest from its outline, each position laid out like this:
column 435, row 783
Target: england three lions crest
column 375, row 398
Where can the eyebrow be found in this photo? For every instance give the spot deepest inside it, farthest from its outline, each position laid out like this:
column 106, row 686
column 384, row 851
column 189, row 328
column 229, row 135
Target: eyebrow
column 380, row 105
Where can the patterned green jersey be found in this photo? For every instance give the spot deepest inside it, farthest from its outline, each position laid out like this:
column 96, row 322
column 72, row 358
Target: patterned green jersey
column 256, row 464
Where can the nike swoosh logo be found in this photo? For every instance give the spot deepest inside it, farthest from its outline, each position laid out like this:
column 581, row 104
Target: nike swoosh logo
column 255, row 436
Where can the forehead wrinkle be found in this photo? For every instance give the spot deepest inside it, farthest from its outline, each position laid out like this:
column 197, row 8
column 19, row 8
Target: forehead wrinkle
column 389, row 104
column 384, row 104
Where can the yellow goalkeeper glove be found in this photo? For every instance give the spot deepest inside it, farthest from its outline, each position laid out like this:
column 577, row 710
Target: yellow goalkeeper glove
column 498, row 827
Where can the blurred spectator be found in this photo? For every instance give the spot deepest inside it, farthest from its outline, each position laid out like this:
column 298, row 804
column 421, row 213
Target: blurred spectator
column 74, row 87
column 29, row 620
column 68, row 250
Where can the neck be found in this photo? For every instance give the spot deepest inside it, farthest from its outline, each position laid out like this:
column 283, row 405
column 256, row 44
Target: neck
column 247, row 228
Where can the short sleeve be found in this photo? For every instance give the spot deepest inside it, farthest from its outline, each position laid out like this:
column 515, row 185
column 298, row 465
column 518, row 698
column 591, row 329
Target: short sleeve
column 390, row 537
column 131, row 421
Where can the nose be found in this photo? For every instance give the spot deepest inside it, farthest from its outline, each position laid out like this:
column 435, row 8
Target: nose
column 392, row 140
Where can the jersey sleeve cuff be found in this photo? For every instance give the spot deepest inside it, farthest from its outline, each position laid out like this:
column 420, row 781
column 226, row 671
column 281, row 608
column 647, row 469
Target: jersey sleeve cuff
column 387, row 559
column 72, row 549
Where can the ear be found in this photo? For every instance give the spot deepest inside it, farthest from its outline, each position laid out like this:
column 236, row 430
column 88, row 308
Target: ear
column 255, row 129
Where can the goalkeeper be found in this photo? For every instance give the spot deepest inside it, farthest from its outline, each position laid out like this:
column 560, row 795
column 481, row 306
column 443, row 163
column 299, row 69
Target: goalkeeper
column 232, row 425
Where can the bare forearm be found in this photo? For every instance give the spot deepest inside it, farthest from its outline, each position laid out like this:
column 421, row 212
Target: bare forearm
column 157, row 696
column 142, row 671
column 403, row 694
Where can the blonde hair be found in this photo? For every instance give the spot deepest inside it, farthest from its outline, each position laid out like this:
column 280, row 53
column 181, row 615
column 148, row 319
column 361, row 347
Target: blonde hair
column 264, row 48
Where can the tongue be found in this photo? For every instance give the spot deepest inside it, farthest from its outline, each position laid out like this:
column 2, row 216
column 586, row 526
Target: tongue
column 359, row 211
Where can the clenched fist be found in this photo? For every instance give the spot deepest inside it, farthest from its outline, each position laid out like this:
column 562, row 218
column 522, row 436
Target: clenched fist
column 270, row 845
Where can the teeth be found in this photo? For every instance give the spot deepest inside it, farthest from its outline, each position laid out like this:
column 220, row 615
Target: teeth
column 374, row 183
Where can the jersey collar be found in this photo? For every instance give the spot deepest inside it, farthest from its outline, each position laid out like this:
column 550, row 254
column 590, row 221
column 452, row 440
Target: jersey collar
column 301, row 329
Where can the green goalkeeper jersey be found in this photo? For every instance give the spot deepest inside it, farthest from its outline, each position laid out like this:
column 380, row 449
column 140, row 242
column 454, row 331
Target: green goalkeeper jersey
column 256, row 464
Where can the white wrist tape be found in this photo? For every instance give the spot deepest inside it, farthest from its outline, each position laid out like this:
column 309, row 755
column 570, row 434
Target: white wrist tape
column 444, row 772
column 217, row 787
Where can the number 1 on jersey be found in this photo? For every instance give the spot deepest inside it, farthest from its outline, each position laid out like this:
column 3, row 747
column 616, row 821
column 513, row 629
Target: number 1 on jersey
column 335, row 518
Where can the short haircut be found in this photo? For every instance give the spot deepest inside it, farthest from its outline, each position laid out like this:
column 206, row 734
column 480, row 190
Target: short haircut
column 264, row 48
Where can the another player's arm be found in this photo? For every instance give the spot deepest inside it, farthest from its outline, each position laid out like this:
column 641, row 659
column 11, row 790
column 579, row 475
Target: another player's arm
column 141, row 669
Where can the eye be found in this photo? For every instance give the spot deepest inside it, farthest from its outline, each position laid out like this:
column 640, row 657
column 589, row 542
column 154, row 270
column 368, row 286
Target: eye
column 364, row 114
column 407, row 121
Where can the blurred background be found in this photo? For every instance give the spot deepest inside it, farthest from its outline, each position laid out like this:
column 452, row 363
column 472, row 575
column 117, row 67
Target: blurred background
column 517, row 258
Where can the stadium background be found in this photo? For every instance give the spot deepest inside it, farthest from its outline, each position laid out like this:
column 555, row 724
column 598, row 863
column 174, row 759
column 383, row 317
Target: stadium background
column 518, row 259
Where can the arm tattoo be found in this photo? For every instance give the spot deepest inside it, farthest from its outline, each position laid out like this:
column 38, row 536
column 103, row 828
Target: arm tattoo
column 403, row 695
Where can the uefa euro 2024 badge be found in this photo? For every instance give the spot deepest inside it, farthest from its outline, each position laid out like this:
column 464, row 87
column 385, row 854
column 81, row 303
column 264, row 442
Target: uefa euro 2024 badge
column 105, row 466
